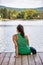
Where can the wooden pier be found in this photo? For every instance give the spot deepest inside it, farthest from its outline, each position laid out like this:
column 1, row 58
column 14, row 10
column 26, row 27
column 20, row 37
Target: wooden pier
column 7, row 58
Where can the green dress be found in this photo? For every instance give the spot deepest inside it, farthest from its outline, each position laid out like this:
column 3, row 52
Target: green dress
column 23, row 48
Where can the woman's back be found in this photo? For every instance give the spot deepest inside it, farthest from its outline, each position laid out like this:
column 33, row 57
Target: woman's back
column 21, row 43
column 23, row 47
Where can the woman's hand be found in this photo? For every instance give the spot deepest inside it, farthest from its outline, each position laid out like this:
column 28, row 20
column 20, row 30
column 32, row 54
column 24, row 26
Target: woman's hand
column 17, row 56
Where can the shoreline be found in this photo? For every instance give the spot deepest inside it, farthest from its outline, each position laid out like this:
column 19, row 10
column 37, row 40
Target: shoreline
column 16, row 22
column 20, row 19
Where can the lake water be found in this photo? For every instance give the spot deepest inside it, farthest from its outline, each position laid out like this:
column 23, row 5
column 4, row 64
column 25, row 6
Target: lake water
column 33, row 29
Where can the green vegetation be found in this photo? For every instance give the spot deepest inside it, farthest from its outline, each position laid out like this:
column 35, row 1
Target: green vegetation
column 7, row 14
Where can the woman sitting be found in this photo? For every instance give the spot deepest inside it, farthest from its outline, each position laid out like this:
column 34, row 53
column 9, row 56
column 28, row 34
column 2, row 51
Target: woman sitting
column 22, row 43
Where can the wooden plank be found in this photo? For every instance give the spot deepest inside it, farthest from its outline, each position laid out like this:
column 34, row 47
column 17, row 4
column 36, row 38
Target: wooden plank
column 37, row 60
column 12, row 59
column 2, row 55
column 8, row 54
column 24, row 60
column 41, row 57
column 6, row 59
column 31, row 60
column 18, row 60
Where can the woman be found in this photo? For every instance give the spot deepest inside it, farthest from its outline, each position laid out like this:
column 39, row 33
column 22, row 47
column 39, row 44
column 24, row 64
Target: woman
column 22, row 43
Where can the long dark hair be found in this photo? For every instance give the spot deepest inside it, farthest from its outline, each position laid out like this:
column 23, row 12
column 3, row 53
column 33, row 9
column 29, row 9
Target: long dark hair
column 21, row 30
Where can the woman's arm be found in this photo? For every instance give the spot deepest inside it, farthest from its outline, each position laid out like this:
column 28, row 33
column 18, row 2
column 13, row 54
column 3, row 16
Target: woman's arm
column 16, row 46
column 27, row 39
column 14, row 39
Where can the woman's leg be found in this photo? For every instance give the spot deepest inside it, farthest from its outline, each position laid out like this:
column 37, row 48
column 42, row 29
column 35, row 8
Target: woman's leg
column 33, row 50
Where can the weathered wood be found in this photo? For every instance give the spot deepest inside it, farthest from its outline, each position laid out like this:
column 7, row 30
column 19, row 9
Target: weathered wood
column 41, row 57
column 9, row 59
column 31, row 60
column 2, row 55
column 6, row 59
column 24, row 60
column 12, row 59
column 37, row 60
column 18, row 61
